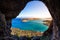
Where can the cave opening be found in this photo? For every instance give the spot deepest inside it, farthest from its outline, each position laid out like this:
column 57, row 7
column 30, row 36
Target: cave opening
column 34, row 11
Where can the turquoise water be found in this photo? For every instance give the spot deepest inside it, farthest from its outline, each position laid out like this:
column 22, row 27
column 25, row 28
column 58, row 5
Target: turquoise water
column 32, row 25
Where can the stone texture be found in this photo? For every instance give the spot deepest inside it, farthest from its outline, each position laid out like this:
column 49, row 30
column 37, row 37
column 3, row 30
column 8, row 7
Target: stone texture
column 9, row 9
column 54, row 8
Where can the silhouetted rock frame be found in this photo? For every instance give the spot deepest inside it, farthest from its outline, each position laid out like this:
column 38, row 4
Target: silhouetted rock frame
column 54, row 8
column 10, row 9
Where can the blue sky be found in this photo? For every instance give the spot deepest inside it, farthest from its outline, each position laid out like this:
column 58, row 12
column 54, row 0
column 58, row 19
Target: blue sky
column 34, row 9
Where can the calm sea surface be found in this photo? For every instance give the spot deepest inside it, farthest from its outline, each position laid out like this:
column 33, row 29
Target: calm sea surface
column 32, row 25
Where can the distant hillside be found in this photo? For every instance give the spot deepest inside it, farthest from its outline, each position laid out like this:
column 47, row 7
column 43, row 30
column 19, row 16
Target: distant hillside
column 36, row 18
column 47, row 22
column 19, row 32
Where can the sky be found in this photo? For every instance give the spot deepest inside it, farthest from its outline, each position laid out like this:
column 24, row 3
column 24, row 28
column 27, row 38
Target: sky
column 34, row 9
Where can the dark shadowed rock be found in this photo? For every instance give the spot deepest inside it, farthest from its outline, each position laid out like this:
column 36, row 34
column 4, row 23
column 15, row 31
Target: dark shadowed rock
column 54, row 8
column 35, row 38
column 9, row 9
column 49, row 31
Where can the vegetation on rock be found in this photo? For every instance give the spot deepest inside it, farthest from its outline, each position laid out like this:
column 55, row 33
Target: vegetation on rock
column 19, row 33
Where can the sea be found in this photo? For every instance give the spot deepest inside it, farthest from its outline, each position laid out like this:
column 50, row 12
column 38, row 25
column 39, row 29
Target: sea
column 30, row 25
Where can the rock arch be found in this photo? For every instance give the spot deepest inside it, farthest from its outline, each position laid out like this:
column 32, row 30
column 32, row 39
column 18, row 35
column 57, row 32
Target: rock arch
column 9, row 9
column 54, row 8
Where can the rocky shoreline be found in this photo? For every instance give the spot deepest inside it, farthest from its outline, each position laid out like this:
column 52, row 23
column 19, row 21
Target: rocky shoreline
column 19, row 33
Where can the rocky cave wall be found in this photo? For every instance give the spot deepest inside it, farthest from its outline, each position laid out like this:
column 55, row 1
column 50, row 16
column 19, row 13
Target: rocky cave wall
column 11, row 8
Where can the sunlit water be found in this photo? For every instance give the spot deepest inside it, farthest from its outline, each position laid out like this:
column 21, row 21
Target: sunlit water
column 32, row 25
